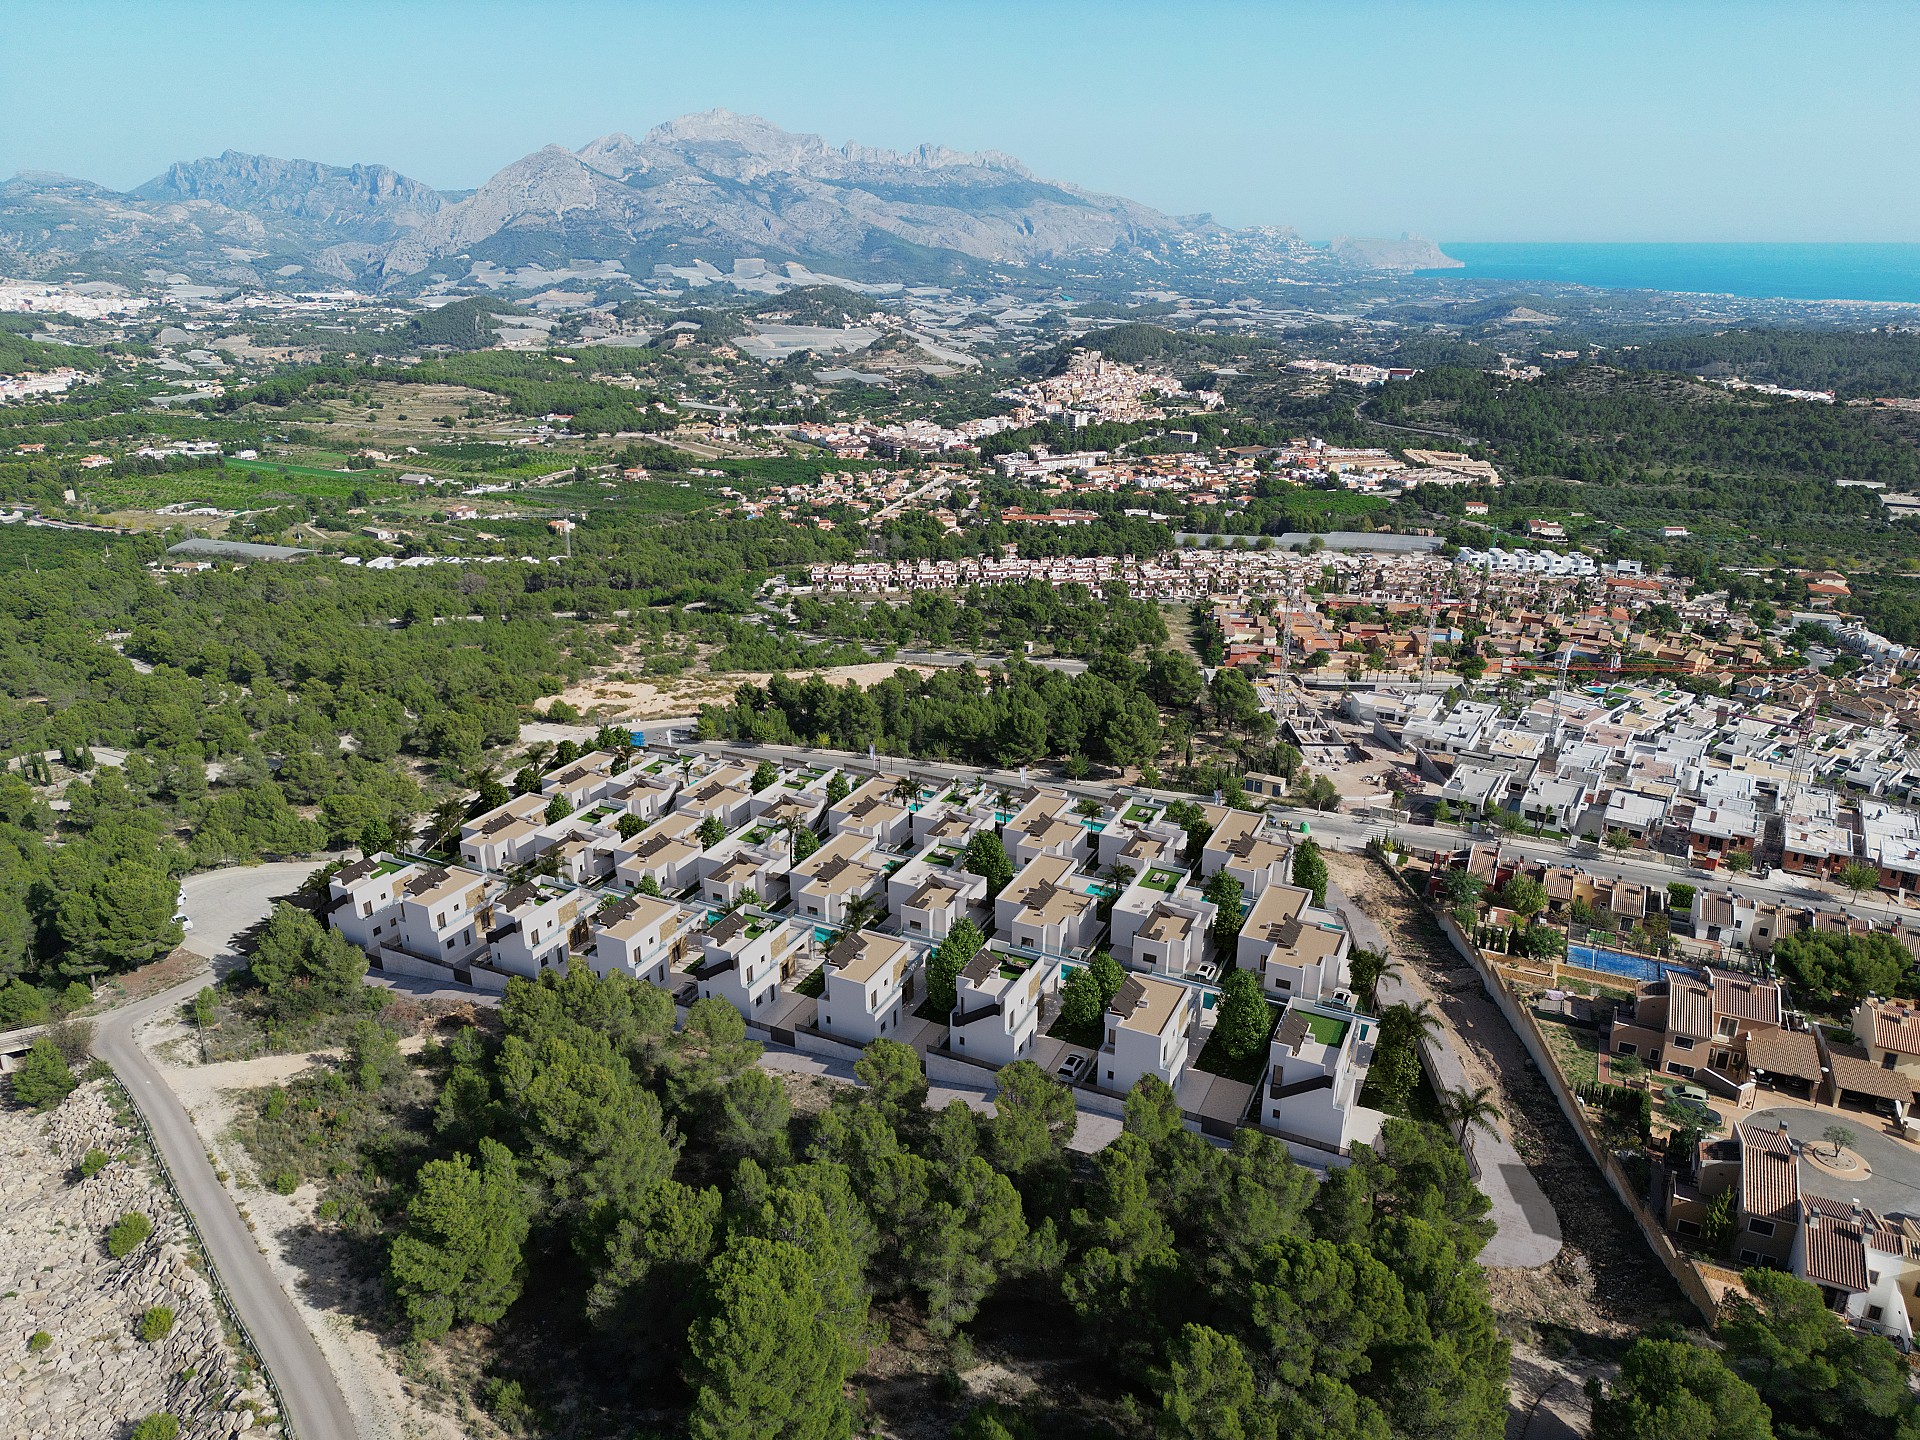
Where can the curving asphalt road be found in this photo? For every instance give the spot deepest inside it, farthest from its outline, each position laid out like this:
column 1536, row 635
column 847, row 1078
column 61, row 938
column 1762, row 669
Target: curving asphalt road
column 222, row 904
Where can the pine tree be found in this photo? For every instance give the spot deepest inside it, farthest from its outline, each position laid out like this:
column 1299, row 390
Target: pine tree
column 458, row 1260
column 1245, row 1020
column 763, row 1364
column 43, row 1079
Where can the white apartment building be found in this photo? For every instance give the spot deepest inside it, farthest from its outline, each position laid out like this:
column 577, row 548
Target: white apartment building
column 506, row 835
column 745, row 958
column 873, row 812
column 535, row 927
column 1317, row 1063
column 932, row 892
column 761, row 869
column 869, row 988
column 1297, row 950
column 1239, row 846
column 842, row 870
column 643, row 938
column 364, row 899
column 441, row 917
column 996, row 1012
column 668, row 854
column 1149, row 1028
column 587, row 778
column 1162, row 932
column 1048, row 826
column 1047, row 907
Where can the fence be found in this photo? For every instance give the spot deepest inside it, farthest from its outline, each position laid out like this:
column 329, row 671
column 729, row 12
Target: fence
column 228, row 1310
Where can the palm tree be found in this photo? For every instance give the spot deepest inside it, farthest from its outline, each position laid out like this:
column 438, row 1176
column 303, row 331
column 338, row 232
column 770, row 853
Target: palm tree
column 1468, row 1110
column 1418, row 1019
column 906, row 789
column 858, row 912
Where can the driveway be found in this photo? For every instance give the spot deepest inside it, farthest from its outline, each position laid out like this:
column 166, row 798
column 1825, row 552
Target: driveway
column 222, row 904
column 1894, row 1186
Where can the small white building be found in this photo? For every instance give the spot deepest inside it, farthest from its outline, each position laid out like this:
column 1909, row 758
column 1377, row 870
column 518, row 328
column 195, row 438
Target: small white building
column 1149, row 1027
column 869, row 989
column 1047, row 907
column 996, row 1011
column 746, row 958
column 1317, row 1063
column 841, row 871
column 1298, row 951
column 643, row 938
column 1240, row 846
column 535, row 927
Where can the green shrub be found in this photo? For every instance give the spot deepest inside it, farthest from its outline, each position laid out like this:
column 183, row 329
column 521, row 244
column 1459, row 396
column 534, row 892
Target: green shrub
column 285, row 1182
column 44, row 1079
column 156, row 1323
column 38, row 1341
column 21, row 1004
column 93, row 1162
column 128, row 1234
column 157, row 1426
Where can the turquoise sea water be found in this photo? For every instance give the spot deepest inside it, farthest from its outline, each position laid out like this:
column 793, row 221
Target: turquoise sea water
column 1787, row 272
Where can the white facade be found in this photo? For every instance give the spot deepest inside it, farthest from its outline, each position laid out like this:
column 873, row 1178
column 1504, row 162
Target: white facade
column 1317, row 1063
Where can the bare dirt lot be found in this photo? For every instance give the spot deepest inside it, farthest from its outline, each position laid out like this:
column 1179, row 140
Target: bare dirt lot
column 685, row 694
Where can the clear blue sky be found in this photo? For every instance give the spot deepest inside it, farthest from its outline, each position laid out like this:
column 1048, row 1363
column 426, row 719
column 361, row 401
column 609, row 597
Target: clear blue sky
column 1543, row 120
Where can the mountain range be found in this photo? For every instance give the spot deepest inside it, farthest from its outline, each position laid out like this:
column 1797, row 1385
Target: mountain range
column 712, row 187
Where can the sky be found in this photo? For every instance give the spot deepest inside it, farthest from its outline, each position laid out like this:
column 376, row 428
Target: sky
column 1472, row 120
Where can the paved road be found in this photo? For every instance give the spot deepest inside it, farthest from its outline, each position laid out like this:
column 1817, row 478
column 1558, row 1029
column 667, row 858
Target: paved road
column 223, row 903
column 1351, row 832
column 1526, row 1229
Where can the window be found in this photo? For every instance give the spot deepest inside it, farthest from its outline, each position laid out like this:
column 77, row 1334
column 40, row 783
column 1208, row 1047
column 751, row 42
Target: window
column 1684, row 1071
column 1683, row 1042
column 366, row 909
column 1689, row 1228
column 440, row 921
column 1750, row 1257
column 1625, row 1047
column 1874, row 1312
column 1759, row 1226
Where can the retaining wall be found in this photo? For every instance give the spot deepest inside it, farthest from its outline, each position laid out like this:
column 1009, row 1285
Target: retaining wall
column 1685, row 1273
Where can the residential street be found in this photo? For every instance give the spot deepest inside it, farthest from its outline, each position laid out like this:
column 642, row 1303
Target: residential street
column 222, row 904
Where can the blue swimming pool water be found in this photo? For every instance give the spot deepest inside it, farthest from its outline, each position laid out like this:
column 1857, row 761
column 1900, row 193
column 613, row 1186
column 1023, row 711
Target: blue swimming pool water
column 1612, row 962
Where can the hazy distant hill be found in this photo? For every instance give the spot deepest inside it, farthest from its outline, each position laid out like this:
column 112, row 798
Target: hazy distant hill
column 713, row 187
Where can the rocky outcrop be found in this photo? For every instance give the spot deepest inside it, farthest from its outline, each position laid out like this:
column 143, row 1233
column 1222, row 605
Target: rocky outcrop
column 1409, row 252
column 366, row 202
column 95, row 1374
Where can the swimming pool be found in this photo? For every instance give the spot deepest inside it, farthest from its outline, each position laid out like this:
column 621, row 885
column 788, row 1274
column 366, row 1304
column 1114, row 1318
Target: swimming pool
column 1612, row 962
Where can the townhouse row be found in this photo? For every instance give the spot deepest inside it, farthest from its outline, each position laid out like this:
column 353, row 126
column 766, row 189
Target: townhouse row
column 802, row 906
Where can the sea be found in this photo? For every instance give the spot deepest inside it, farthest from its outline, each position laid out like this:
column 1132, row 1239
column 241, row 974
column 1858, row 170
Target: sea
column 1889, row 272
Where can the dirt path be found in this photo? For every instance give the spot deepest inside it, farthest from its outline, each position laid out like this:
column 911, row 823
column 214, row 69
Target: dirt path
column 1605, row 1286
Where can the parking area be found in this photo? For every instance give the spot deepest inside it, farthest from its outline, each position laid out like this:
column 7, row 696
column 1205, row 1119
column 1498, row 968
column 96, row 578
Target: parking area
column 1891, row 1181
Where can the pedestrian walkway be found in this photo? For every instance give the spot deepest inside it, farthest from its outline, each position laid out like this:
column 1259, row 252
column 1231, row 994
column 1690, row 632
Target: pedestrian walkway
column 1526, row 1230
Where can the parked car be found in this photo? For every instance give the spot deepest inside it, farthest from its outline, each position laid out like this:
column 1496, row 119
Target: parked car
column 1072, row 1068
